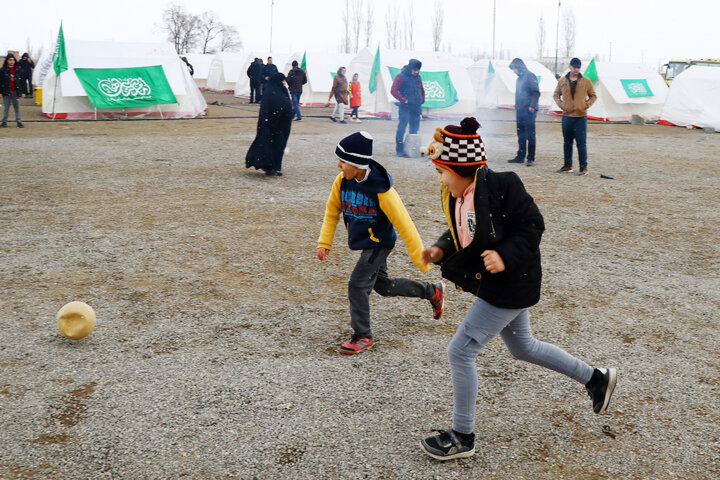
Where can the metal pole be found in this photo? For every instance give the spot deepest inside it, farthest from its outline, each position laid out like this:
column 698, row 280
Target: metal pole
column 493, row 51
column 557, row 37
column 272, row 4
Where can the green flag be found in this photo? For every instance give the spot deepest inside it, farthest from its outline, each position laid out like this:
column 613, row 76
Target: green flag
column 59, row 57
column 303, row 64
column 375, row 71
column 125, row 87
column 439, row 89
column 490, row 74
column 591, row 71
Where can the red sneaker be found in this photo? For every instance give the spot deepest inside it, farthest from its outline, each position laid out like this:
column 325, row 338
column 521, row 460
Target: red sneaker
column 355, row 345
column 438, row 300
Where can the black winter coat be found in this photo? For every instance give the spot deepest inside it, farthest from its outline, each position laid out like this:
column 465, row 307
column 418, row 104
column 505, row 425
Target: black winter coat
column 20, row 80
column 508, row 221
column 273, row 128
column 254, row 72
column 296, row 78
column 268, row 70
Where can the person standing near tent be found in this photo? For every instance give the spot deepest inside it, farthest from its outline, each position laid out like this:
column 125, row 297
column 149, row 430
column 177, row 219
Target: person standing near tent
column 527, row 93
column 190, row 68
column 574, row 94
column 273, row 128
column 27, row 66
column 355, row 97
column 254, row 73
column 296, row 78
column 340, row 91
column 268, row 70
column 12, row 87
column 408, row 89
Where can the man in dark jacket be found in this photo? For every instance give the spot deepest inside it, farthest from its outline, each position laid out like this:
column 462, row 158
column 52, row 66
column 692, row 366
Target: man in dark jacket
column 408, row 89
column 27, row 67
column 12, row 87
column 296, row 78
column 527, row 93
column 254, row 74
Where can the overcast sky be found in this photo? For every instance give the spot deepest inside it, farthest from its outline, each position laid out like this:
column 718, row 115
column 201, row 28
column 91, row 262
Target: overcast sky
column 648, row 31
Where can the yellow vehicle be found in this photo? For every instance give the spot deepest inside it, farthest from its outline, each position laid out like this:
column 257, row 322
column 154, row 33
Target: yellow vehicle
column 675, row 67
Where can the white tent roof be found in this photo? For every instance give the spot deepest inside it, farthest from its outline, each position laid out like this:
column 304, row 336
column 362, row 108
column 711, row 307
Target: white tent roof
column 225, row 69
column 613, row 101
column 321, row 70
column 69, row 99
column 497, row 89
column 201, row 64
column 694, row 99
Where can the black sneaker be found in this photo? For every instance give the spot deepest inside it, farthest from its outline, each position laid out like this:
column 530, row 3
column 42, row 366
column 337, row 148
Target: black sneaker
column 565, row 169
column 343, row 121
column 530, row 163
column 449, row 444
column 20, row 125
column 600, row 388
column 333, row 119
column 516, row 160
column 3, row 124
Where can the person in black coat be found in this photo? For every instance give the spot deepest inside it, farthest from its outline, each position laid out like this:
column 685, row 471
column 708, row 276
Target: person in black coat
column 527, row 93
column 254, row 73
column 27, row 67
column 12, row 86
column 273, row 128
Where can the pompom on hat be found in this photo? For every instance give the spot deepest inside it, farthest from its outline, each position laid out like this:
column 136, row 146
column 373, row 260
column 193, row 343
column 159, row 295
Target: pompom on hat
column 356, row 149
column 463, row 150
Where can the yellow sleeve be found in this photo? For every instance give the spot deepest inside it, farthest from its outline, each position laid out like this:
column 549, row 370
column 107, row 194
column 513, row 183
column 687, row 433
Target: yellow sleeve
column 392, row 206
column 332, row 215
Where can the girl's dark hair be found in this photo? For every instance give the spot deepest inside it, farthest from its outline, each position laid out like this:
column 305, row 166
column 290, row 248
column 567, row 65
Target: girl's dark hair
column 9, row 56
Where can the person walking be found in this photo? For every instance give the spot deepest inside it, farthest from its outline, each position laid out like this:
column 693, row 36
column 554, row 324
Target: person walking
column 492, row 250
column 296, row 78
column 27, row 65
column 273, row 128
column 372, row 209
column 340, row 91
column 408, row 89
column 12, row 87
column 527, row 93
column 355, row 92
column 574, row 94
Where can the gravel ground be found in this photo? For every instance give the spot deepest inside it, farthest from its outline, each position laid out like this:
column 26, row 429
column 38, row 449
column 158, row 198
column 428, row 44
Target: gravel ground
column 214, row 352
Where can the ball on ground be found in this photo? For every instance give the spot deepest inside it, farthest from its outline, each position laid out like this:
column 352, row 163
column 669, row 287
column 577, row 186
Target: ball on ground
column 76, row 320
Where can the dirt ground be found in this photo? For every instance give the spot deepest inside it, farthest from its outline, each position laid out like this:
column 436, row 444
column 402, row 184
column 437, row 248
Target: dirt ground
column 214, row 352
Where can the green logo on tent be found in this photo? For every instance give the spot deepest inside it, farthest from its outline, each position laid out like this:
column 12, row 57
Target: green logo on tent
column 637, row 88
column 439, row 89
column 125, row 87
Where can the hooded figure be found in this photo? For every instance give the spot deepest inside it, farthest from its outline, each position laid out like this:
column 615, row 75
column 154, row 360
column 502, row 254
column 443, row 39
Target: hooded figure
column 408, row 89
column 273, row 128
column 527, row 93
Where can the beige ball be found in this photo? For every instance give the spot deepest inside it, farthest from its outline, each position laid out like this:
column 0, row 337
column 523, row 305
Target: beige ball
column 76, row 320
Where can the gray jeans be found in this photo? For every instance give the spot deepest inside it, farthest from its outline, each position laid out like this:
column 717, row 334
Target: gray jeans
column 7, row 100
column 370, row 274
column 481, row 324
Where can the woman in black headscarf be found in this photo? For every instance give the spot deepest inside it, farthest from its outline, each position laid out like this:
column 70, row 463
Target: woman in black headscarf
column 273, row 128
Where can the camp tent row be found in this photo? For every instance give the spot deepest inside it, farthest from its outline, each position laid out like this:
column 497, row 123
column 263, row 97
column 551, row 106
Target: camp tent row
column 694, row 99
column 112, row 79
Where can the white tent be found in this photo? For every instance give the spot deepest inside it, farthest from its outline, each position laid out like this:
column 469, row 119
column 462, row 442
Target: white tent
column 67, row 98
column 201, row 67
column 321, row 70
column 283, row 62
column 694, row 99
column 225, row 69
column 495, row 87
column 434, row 64
column 42, row 67
column 624, row 90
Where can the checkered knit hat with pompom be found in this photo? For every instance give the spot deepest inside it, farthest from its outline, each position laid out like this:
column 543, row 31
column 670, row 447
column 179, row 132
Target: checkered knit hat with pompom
column 463, row 150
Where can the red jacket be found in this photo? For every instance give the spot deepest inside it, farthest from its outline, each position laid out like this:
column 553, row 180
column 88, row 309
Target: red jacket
column 355, row 94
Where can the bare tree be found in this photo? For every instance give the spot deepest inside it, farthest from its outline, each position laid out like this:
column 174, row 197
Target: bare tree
column 569, row 31
column 541, row 35
column 34, row 54
column 369, row 23
column 356, row 23
column 190, row 33
column 229, row 39
column 174, row 20
column 409, row 27
column 391, row 25
column 437, row 25
column 209, row 28
column 345, row 17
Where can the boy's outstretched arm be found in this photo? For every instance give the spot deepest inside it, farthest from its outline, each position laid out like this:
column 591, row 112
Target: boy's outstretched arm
column 332, row 216
column 392, row 206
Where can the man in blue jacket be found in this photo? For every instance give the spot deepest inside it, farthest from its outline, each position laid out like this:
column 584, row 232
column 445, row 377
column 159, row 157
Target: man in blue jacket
column 408, row 89
column 527, row 93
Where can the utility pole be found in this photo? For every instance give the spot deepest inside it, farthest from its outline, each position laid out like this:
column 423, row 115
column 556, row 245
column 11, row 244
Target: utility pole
column 493, row 52
column 557, row 37
column 272, row 4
